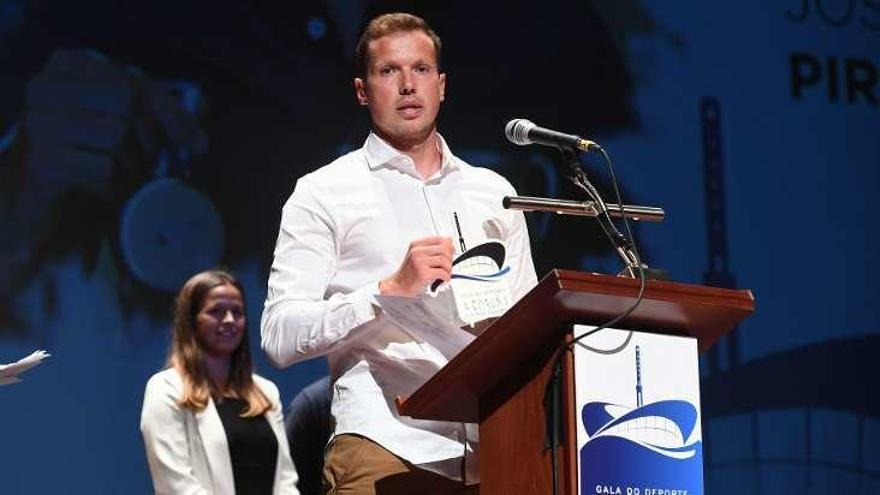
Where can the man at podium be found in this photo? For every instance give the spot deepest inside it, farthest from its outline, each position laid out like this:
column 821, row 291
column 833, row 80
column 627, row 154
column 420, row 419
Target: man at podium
column 382, row 225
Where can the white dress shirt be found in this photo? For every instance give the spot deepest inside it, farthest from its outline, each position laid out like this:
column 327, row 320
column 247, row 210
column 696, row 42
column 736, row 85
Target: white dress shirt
column 345, row 227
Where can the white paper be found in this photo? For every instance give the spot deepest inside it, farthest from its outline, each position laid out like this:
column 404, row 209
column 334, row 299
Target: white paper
column 479, row 290
column 480, row 285
column 477, row 301
column 9, row 372
column 424, row 318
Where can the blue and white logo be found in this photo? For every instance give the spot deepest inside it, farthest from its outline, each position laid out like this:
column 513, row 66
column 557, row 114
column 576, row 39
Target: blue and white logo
column 480, row 283
column 633, row 445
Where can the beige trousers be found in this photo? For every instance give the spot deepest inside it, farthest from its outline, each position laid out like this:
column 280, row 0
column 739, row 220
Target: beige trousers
column 355, row 465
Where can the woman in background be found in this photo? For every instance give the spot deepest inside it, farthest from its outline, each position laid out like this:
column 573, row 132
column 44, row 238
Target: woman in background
column 211, row 425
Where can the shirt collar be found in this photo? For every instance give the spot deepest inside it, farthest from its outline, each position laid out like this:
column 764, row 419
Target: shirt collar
column 379, row 153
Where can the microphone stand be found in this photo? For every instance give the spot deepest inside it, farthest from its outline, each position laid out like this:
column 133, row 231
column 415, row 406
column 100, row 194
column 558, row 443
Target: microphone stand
column 635, row 268
column 621, row 244
column 596, row 207
column 583, row 208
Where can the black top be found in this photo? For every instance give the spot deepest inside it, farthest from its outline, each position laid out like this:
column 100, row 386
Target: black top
column 252, row 447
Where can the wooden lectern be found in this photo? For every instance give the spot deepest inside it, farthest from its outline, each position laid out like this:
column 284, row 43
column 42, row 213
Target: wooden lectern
column 499, row 379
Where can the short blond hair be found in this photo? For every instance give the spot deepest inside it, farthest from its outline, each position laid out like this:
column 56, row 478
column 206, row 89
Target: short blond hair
column 387, row 24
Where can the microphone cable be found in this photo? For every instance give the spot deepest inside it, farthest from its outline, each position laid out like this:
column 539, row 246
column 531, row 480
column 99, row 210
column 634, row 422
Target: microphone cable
column 553, row 389
column 639, row 265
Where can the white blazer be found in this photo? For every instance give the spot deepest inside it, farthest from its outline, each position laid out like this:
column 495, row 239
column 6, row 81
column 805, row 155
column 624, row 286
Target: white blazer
column 188, row 452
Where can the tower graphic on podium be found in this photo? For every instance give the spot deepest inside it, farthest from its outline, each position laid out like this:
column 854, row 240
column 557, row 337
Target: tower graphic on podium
column 644, row 445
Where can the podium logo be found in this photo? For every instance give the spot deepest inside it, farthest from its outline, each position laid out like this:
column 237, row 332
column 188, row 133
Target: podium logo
column 661, row 427
column 643, row 449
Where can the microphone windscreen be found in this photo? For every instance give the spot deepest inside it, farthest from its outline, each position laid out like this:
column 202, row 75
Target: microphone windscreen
column 517, row 131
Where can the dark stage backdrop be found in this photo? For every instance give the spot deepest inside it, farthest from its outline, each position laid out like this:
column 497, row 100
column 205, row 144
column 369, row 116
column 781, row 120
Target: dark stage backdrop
column 143, row 141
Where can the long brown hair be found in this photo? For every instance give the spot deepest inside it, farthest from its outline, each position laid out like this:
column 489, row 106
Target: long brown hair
column 187, row 355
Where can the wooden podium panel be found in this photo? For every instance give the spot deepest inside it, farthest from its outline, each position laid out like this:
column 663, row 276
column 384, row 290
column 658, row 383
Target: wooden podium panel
column 561, row 298
column 499, row 379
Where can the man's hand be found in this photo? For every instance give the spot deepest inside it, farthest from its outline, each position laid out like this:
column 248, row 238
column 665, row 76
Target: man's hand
column 427, row 259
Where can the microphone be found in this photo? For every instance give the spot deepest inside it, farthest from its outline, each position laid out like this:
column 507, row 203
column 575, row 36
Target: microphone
column 523, row 132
